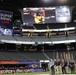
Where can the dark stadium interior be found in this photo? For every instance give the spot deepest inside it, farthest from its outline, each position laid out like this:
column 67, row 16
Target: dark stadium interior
column 15, row 5
column 36, row 3
column 34, row 42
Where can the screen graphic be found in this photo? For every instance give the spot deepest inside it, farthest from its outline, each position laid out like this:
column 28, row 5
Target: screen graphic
column 4, row 31
column 39, row 15
column 63, row 14
column 58, row 14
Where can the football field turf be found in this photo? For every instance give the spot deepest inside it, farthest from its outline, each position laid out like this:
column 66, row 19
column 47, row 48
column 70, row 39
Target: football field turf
column 36, row 73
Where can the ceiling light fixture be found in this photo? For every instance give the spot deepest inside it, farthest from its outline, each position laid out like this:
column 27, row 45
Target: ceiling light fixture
column 62, row 1
column 46, row 1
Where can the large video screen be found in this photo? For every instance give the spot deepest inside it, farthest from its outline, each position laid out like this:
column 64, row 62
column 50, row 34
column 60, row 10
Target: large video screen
column 41, row 15
column 63, row 14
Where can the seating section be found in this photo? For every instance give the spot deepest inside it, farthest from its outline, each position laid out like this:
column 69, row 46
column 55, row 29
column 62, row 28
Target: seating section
column 12, row 56
column 40, row 38
column 50, row 36
column 57, row 33
column 36, row 55
column 53, row 54
column 26, row 38
column 6, row 37
column 21, row 56
column 32, row 56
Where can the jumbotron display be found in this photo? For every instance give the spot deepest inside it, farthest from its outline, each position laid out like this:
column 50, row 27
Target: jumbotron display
column 63, row 14
column 41, row 15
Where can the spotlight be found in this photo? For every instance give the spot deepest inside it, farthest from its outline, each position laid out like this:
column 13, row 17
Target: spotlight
column 46, row 1
column 62, row 1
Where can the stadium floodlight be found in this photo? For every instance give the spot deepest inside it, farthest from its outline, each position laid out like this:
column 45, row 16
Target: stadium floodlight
column 46, row 1
column 62, row 1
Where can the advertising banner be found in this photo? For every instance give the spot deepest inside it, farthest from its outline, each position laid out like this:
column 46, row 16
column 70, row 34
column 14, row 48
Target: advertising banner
column 6, row 23
column 6, row 19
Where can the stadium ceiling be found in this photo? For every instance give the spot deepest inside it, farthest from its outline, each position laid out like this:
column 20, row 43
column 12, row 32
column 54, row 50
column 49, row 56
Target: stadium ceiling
column 37, row 3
